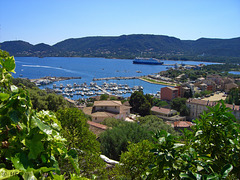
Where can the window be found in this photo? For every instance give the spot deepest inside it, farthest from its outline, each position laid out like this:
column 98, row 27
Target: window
column 115, row 107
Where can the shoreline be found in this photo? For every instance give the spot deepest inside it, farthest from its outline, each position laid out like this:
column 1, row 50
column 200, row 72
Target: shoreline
column 157, row 82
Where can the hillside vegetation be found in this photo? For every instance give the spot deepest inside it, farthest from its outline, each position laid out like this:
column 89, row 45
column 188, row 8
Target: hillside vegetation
column 131, row 46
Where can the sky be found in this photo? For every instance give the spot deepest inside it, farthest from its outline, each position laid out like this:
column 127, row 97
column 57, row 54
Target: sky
column 52, row 21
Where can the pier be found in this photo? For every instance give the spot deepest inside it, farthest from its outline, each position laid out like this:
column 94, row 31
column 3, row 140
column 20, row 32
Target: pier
column 49, row 79
column 117, row 78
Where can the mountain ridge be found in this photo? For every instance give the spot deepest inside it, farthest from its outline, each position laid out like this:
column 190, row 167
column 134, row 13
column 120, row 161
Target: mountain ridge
column 130, row 46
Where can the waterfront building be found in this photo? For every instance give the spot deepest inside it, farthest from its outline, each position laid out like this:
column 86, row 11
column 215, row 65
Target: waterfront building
column 169, row 93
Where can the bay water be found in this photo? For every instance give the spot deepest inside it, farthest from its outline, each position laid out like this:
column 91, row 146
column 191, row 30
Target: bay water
column 89, row 68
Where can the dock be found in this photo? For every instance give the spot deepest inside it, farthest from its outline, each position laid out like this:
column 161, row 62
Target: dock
column 116, row 78
column 103, row 90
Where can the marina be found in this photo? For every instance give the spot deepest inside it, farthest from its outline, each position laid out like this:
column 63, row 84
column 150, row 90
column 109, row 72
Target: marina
column 85, row 90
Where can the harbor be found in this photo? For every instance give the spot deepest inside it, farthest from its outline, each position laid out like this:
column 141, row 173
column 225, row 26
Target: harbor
column 93, row 89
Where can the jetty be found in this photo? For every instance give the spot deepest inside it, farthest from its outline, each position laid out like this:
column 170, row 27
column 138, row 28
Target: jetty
column 117, row 78
column 48, row 79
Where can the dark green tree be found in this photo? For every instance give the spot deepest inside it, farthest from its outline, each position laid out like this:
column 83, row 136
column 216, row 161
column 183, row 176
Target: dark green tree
column 140, row 104
column 104, row 97
column 179, row 104
column 233, row 96
column 154, row 124
column 115, row 141
column 76, row 130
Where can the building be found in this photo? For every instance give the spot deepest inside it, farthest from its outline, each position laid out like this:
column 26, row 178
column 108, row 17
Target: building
column 163, row 111
column 97, row 128
column 197, row 106
column 107, row 109
column 182, row 90
column 169, row 93
column 167, row 114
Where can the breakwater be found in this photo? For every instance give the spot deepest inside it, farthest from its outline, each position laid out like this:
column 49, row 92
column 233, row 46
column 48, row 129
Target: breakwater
column 117, row 78
column 48, row 79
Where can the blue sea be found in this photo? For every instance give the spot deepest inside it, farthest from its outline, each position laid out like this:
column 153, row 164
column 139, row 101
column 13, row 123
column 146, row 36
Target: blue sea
column 89, row 68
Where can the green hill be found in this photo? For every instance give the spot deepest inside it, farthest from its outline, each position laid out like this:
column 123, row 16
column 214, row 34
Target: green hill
column 130, row 46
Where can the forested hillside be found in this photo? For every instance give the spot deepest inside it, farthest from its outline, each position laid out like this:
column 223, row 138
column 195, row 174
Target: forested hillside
column 131, row 46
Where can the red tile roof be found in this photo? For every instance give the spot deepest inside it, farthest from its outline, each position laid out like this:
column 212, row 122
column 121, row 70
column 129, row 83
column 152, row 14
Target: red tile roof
column 97, row 125
column 182, row 124
column 161, row 110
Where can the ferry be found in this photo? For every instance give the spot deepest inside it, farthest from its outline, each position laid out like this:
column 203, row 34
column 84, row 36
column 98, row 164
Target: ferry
column 151, row 61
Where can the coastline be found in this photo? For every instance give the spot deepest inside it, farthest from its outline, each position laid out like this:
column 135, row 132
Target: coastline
column 157, row 82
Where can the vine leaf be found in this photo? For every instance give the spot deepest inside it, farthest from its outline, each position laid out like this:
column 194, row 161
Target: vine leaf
column 4, row 96
column 35, row 145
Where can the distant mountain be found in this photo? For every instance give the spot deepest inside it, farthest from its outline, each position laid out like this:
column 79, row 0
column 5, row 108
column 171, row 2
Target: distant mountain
column 130, row 46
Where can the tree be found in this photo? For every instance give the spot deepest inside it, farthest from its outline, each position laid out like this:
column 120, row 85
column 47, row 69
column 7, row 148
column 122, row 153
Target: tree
column 104, row 97
column 209, row 151
column 135, row 161
column 111, row 122
column 179, row 104
column 114, row 141
column 154, row 124
column 233, row 96
column 140, row 104
column 216, row 134
column 76, row 130
column 30, row 141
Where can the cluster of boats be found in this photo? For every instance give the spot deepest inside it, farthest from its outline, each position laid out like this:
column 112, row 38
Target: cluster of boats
column 94, row 89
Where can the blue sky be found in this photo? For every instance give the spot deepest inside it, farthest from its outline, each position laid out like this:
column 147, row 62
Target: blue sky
column 51, row 21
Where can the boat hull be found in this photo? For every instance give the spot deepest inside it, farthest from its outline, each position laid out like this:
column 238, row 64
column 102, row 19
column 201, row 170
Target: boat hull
column 149, row 61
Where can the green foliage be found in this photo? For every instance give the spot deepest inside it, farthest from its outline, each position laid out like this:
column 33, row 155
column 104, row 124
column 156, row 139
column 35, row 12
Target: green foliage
column 114, row 141
column 30, row 141
column 159, row 103
column 179, row 104
column 167, row 151
column 42, row 100
column 104, row 97
column 76, row 131
column 209, row 151
column 135, row 161
column 111, row 122
column 140, row 103
column 233, row 97
column 217, row 135
column 154, row 124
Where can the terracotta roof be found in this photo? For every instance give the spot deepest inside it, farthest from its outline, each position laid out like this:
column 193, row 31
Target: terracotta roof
column 182, row 124
column 161, row 110
column 107, row 103
column 97, row 125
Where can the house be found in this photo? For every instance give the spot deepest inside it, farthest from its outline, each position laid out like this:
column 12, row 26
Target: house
column 97, row 128
column 167, row 114
column 106, row 109
column 180, row 125
column 163, row 111
column 197, row 106
column 169, row 93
